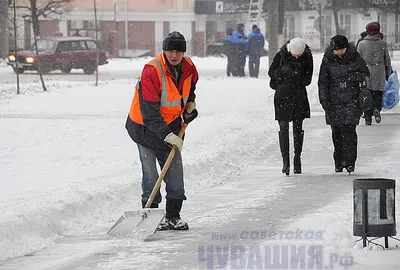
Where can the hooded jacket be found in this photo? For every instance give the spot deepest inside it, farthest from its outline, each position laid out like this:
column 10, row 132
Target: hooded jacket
column 339, row 86
column 292, row 76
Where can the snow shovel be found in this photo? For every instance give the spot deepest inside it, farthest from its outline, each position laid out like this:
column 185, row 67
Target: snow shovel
column 145, row 221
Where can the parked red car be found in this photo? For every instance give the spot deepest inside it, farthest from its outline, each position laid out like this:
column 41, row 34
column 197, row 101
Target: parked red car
column 63, row 53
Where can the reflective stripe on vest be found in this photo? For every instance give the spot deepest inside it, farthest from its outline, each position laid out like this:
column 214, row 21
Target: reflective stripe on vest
column 170, row 100
column 164, row 87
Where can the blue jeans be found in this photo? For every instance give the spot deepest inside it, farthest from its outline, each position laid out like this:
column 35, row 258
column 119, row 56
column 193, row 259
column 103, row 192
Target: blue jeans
column 173, row 178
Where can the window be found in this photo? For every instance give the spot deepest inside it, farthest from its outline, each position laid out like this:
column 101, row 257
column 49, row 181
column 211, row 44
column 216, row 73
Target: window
column 92, row 25
column 91, row 45
column 290, row 27
column 64, row 47
column 345, row 24
column 327, row 29
column 46, row 45
column 76, row 25
column 78, row 45
column 382, row 18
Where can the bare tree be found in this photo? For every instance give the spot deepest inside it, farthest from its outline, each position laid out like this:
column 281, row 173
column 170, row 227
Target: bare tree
column 389, row 6
column 14, row 22
column 43, row 9
column 272, row 20
column 97, row 40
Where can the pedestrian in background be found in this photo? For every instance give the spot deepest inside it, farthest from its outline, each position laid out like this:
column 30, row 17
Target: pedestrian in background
column 375, row 52
column 230, row 52
column 341, row 74
column 255, row 46
column 362, row 36
column 292, row 69
column 240, row 39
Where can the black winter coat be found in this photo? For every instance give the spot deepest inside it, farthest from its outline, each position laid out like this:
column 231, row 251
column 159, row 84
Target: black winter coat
column 293, row 75
column 339, row 86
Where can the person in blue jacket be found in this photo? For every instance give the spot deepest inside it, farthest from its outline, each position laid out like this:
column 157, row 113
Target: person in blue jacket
column 255, row 45
column 230, row 52
column 240, row 40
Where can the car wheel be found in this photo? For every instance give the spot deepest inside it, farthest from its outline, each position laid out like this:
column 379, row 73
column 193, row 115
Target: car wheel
column 66, row 70
column 18, row 70
column 90, row 68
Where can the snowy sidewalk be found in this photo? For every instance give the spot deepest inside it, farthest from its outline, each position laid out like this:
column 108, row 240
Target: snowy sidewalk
column 245, row 207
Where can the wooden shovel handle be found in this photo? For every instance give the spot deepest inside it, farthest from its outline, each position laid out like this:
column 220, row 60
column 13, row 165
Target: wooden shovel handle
column 164, row 170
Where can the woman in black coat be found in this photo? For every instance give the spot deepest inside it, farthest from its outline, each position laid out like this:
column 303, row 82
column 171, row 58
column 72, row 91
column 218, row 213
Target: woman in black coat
column 341, row 75
column 291, row 71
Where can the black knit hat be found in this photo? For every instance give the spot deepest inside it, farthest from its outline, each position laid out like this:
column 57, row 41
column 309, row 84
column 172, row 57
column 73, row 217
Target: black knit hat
column 339, row 42
column 174, row 41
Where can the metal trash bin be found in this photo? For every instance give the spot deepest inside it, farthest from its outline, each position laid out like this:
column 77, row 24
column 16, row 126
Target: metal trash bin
column 374, row 209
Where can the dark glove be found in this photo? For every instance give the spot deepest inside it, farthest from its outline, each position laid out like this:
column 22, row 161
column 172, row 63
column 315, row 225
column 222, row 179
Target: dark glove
column 189, row 117
column 287, row 71
column 278, row 73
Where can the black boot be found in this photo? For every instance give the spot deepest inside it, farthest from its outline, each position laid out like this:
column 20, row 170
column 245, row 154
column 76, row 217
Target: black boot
column 172, row 220
column 284, row 145
column 337, row 152
column 298, row 138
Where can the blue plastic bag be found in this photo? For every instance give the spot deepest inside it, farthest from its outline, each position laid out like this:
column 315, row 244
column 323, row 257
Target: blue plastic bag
column 390, row 97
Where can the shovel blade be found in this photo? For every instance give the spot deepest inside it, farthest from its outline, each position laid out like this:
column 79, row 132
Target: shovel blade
column 144, row 222
column 148, row 222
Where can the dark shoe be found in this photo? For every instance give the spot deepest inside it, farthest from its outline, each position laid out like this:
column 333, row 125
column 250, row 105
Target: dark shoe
column 368, row 122
column 338, row 169
column 298, row 139
column 284, row 146
column 286, row 165
column 350, row 169
column 172, row 219
column 175, row 223
column 377, row 115
column 297, row 165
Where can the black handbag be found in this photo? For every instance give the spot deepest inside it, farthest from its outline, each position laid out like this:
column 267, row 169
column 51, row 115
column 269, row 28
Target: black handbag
column 365, row 99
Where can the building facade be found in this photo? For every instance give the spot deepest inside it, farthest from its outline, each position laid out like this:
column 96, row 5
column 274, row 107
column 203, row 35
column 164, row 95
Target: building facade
column 306, row 24
column 128, row 28
column 125, row 27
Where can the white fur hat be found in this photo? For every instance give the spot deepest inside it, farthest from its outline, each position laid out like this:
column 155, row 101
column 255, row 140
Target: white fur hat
column 296, row 46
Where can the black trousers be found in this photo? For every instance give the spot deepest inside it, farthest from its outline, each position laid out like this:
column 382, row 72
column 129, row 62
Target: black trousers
column 231, row 67
column 254, row 65
column 377, row 99
column 297, row 126
column 241, row 62
column 345, row 145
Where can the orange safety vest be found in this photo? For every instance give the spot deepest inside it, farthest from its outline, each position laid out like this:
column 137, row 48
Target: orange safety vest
column 170, row 103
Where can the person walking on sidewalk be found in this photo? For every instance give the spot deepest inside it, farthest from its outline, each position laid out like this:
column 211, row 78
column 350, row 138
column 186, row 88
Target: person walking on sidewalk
column 375, row 52
column 292, row 69
column 254, row 47
column 164, row 98
column 341, row 75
